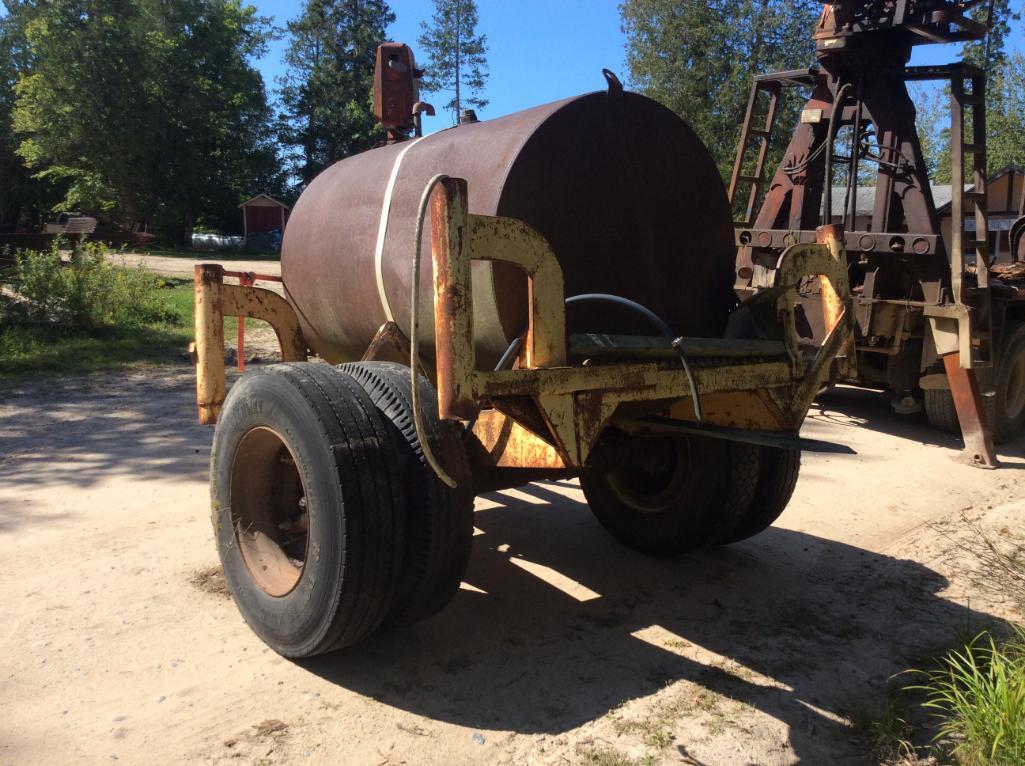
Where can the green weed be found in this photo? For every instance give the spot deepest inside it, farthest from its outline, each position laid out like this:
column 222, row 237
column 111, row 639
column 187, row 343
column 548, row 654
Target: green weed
column 978, row 696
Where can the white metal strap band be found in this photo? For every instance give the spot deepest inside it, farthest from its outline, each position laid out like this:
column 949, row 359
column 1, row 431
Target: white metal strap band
column 382, row 230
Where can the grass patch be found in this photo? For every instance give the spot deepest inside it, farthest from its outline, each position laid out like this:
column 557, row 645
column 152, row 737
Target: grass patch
column 886, row 731
column 28, row 349
column 45, row 348
column 65, row 313
column 978, row 696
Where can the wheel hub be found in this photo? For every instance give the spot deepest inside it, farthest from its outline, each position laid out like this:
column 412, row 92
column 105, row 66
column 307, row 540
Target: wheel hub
column 268, row 511
column 652, row 481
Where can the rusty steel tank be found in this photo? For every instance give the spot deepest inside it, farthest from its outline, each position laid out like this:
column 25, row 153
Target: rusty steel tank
column 623, row 190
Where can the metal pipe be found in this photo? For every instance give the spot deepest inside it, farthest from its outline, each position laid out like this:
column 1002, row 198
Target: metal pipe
column 414, row 345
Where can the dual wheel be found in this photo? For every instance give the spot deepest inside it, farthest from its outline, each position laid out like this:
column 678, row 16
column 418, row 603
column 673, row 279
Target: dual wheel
column 329, row 523
column 666, row 496
column 1005, row 410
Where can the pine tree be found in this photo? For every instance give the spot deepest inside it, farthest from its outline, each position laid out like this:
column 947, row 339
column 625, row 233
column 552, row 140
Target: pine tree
column 698, row 59
column 1005, row 101
column 327, row 94
column 456, row 55
column 1005, row 123
column 990, row 53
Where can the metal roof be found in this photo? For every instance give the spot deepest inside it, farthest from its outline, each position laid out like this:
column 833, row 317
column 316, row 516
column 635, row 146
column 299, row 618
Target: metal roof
column 264, row 197
column 941, row 195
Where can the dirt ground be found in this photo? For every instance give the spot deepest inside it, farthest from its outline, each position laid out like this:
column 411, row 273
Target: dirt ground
column 118, row 642
column 185, row 267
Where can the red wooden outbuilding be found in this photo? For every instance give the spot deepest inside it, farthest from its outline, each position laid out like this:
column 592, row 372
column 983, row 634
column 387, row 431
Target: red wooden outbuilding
column 263, row 214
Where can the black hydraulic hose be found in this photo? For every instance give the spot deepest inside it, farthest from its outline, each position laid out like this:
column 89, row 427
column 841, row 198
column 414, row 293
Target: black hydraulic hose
column 850, row 209
column 651, row 316
column 834, row 118
column 510, row 353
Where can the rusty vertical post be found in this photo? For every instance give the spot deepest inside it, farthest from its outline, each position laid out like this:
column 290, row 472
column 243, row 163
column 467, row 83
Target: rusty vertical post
column 453, row 300
column 209, row 319
column 246, row 280
column 831, row 235
column 968, row 402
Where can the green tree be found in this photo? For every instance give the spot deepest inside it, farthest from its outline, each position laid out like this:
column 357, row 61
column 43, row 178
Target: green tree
column 82, row 108
column 211, row 110
column 147, row 111
column 1005, row 124
column 20, row 193
column 1005, row 103
column 327, row 92
column 991, row 53
column 456, row 55
column 698, row 59
column 932, row 107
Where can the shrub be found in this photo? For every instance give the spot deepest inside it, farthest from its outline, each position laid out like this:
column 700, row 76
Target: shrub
column 86, row 292
column 978, row 694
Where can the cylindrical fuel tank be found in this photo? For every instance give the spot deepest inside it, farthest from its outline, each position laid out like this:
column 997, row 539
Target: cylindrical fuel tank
column 622, row 188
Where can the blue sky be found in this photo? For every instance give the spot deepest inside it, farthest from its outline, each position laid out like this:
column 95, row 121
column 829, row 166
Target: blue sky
column 540, row 50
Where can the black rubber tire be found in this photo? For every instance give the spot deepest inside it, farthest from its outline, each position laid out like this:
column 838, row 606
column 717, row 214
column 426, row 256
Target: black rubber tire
column 1010, row 384
column 939, row 409
column 439, row 520
column 697, row 512
column 778, row 470
column 1005, row 425
column 351, row 486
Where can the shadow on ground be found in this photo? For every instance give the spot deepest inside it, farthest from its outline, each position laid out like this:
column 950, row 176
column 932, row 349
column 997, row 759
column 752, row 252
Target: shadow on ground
column 86, row 429
column 828, row 624
column 865, row 408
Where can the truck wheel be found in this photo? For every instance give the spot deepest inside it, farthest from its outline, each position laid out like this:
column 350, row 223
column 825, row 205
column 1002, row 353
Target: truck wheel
column 1009, row 401
column 307, row 500
column 439, row 520
column 662, row 496
column 778, row 470
column 939, row 409
column 1005, row 410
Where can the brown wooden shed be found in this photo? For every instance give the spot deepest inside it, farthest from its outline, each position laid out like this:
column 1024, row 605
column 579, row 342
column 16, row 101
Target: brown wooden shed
column 263, row 214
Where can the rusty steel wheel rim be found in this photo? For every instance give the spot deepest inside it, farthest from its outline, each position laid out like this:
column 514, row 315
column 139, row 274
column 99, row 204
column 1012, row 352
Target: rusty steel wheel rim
column 268, row 510
column 1014, row 396
column 656, row 478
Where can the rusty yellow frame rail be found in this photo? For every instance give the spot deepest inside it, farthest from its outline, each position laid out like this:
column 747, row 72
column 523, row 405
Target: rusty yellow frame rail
column 574, row 404
column 215, row 300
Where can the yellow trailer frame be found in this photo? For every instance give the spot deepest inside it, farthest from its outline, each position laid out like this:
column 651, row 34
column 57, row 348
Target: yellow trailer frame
column 549, row 411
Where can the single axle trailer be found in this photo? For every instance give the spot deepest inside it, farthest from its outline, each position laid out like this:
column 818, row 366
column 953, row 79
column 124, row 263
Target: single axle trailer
column 343, row 494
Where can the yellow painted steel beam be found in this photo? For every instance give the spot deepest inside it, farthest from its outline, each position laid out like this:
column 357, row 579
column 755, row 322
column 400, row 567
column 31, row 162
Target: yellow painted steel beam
column 215, row 300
